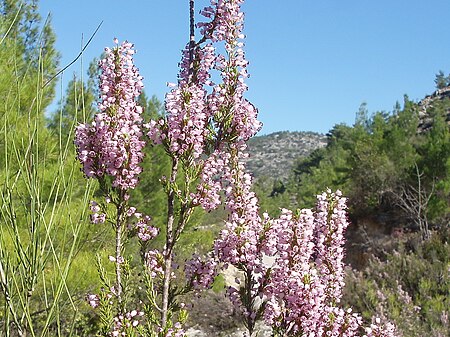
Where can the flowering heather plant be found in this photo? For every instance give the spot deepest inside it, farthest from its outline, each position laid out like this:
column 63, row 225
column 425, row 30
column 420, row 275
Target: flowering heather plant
column 298, row 294
column 110, row 150
column 112, row 144
column 204, row 132
column 305, row 282
column 206, row 125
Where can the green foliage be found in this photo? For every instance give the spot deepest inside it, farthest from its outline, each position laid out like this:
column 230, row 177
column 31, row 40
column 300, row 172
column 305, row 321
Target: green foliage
column 41, row 227
column 271, row 195
column 374, row 162
column 28, row 50
column 434, row 160
column 411, row 288
column 441, row 80
column 27, row 60
column 324, row 167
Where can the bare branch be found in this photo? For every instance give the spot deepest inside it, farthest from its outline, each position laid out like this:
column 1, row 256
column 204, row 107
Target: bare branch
column 76, row 58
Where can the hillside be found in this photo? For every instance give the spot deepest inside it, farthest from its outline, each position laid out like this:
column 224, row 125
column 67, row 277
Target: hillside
column 273, row 155
column 425, row 120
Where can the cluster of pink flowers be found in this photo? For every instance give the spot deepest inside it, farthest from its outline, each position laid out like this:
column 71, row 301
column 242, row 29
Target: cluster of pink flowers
column 154, row 261
column 184, row 130
column 175, row 331
column 331, row 220
column 142, row 226
column 112, row 144
column 96, row 216
column 301, row 289
column 233, row 117
column 200, row 274
column 206, row 128
column 145, row 231
column 227, row 20
column 239, row 243
column 228, row 25
column 290, row 240
column 198, row 119
column 380, row 329
column 305, row 281
column 123, row 323
column 93, row 300
column 211, row 184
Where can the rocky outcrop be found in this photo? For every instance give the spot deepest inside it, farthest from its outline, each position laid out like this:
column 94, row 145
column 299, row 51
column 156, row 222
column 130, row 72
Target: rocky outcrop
column 273, row 155
column 425, row 120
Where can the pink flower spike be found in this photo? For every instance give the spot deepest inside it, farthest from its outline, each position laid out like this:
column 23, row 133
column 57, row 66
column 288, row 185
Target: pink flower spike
column 112, row 144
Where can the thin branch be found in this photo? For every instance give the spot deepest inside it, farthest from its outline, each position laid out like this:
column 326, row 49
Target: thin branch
column 191, row 34
column 414, row 202
column 76, row 58
column 12, row 23
column 210, row 31
column 168, row 253
column 119, row 244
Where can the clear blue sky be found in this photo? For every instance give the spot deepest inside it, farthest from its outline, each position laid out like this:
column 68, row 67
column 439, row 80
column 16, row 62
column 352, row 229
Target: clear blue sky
column 312, row 62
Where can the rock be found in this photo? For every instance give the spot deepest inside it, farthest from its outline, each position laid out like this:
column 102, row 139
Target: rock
column 195, row 332
column 273, row 155
column 425, row 121
column 263, row 331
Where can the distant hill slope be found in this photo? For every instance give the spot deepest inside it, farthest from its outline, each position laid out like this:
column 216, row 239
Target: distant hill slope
column 273, row 155
column 425, row 104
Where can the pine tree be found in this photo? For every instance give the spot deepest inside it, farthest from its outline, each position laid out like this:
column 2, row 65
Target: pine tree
column 28, row 60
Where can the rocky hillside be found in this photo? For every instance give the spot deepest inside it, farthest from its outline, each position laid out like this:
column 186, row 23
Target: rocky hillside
column 273, row 155
column 425, row 104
